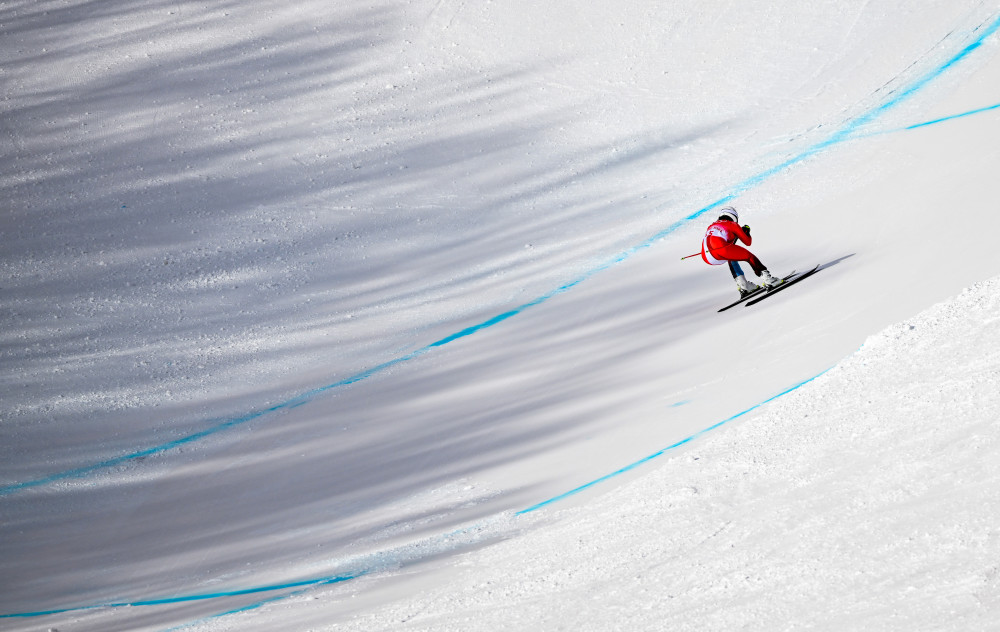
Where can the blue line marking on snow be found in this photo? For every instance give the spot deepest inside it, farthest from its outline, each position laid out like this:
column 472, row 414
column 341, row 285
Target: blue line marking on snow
column 247, row 608
column 954, row 116
column 943, row 119
column 308, row 583
column 845, row 133
column 301, row 586
column 656, row 455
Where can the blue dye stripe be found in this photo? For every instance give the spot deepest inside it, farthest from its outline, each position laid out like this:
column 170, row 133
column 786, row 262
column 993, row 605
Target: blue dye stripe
column 303, row 398
column 308, row 583
column 846, row 132
column 656, row 455
column 301, row 586
column 248, row 608
column 936, row 121
column 954, row 116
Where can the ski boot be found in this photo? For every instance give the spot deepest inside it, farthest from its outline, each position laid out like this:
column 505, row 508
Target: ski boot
column 746, row 287
column 767, row 280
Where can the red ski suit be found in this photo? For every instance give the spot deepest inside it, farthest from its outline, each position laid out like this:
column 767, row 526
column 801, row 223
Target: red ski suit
column 719, row 245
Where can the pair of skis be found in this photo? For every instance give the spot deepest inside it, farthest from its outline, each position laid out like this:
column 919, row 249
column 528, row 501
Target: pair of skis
column 760, row 294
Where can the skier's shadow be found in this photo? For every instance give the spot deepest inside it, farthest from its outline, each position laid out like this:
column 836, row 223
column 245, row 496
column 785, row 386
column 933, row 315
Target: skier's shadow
column 824, row 266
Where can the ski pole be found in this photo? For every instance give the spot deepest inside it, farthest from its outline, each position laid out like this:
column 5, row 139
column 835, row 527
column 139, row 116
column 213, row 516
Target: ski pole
column 697, row 254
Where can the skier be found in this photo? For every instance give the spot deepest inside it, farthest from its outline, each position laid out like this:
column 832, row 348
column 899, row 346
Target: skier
column 719, row 246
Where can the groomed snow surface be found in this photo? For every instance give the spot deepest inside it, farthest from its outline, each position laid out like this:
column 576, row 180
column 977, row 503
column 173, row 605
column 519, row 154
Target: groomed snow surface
column 864, row 500
column 373, row 315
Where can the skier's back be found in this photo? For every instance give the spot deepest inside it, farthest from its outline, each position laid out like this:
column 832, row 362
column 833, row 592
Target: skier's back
column 719, row 246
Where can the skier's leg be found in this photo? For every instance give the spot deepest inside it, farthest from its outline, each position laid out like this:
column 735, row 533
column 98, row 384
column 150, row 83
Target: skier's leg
column 744, row 286
column 755, row 263
column 733, row 253
column 766, row 278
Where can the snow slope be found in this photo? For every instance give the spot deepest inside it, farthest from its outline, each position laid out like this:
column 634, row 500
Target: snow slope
column 299, row 295
column 864, row 500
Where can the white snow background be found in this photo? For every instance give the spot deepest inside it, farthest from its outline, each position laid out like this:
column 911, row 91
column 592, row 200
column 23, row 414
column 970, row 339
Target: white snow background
column 372, row 315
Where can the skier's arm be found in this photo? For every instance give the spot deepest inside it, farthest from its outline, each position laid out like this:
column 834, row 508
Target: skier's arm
column 743, row 235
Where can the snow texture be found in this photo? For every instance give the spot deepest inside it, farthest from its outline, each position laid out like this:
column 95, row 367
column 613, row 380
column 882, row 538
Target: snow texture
column 847, row 504
column 372, row 315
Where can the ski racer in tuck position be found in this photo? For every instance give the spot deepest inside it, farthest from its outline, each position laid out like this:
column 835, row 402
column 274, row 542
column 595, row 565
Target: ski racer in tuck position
column 719, row 246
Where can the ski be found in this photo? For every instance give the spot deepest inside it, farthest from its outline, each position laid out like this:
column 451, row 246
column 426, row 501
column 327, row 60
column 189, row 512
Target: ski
column 757, row 293
column 782, row 286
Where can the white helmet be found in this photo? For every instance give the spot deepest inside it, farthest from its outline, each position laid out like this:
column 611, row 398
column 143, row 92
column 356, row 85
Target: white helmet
column 730, row 213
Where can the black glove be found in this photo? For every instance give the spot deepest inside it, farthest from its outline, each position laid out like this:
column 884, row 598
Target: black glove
column 746, row 229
